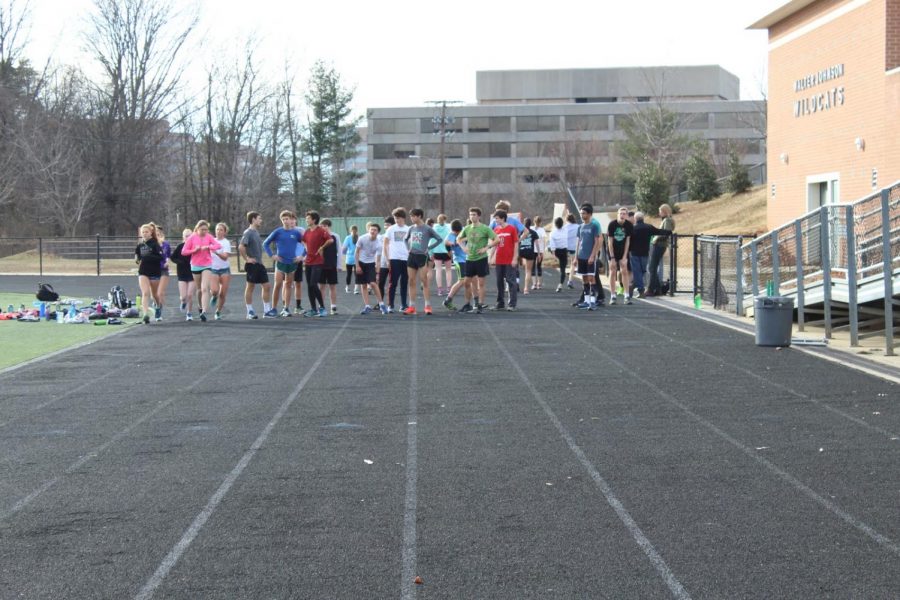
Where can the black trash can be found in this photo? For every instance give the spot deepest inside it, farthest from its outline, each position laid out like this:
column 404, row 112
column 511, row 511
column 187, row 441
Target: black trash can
column 774, row 320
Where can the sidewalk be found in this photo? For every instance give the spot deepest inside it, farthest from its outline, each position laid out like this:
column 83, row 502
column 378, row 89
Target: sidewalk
column 869, row 356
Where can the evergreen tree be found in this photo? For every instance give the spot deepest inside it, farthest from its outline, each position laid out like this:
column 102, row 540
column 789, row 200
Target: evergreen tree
column 701, row 176
column 738, row 179
column 651, row 188
column 330, row 144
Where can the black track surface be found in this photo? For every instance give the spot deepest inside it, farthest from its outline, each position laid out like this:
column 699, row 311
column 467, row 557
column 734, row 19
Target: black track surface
column 549, row 453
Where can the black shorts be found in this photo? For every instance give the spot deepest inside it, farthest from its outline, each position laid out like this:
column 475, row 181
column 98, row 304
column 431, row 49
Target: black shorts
column 527, row 255
column 585, row 268
column 440, row 256
column 367, row 274
column 477, row 268
column 256, row 273
column 329, row 277
column 416, row 261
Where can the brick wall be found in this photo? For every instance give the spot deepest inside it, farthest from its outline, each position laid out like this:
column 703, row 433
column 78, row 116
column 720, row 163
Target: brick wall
column 859, row 104
column 892, row 30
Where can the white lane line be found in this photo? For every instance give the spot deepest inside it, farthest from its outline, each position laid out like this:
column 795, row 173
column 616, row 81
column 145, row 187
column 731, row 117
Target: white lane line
column 835, row 359
column 880, row 539
column 94, row 453
column 410, row 502
column 890, row 435
column 631, row 525
column 172, row 558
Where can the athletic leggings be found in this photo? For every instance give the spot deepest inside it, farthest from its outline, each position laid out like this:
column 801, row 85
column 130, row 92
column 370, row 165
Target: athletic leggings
column 562, row 255
column 537, row 268
column 313, row 274
column 383, row 274
column 399, row 276
column 351, row 271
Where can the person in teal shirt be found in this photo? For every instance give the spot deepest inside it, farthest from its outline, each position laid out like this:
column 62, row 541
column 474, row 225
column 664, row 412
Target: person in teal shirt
column 348, row 249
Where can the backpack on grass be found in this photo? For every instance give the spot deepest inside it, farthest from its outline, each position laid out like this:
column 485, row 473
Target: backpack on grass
column 118, row 298
column 45, row 293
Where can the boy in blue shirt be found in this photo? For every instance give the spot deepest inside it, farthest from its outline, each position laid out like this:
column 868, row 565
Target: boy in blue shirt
column 285, row 239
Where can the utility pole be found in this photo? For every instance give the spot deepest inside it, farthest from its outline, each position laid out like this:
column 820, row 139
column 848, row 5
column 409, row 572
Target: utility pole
column 440, row 124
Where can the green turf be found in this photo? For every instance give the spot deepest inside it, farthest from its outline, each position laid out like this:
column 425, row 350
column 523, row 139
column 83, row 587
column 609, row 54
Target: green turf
column 23, row 341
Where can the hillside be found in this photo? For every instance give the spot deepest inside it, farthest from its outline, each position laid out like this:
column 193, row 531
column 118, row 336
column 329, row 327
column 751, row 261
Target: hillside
column 728, row 214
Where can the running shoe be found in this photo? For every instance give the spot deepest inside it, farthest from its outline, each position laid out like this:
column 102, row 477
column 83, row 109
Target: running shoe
column 214, row 299
column 466, row 308
column 511, row 309
column 203, row 316
column 612, row 300
column 593, row 306
column 627, row 299
column 366, row 310
column 448, row 304
column 218, row 316
column 189, row 317
column 409, row 310
column 285, row 312
column 482, row 307
column 390, row 310
column 157, row 314
column 298, row 310
column 356, row 290
column 251, row 315
column 311, row 313
column 146, row 319
column 583, row 305
column 428, row 310
column 384, row 309
column 559, row 288
column 569, row 285
column 334, row 310
column 499, row 306
column 323, row 312
column 183, row 306
column 479, row 310
column 346, row 289
column 270, row 314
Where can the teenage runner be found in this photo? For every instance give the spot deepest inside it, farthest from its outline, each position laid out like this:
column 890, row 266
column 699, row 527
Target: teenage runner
column 421, row 239
column 619, row 235
column 458, row 252
column 186, row 286
column 329, row 277
column 148, row 255
column 397, row 252
column 571, row 229
column 506, row 259
column 163, row 269
column 559, row 247
column 316, row 239
column 221, row 269
column 367, row 251
column 200, row 246
column 586, row 251
column 348, row 250
column 537, row 271
column 285, row 239
column 443, row 264
column 478, row 237
column 528, row 244
column 384, row 263
column 300, row 259
column 251, row 249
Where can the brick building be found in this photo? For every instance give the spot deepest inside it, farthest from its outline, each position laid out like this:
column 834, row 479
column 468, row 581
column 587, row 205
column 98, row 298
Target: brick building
column 833, row 103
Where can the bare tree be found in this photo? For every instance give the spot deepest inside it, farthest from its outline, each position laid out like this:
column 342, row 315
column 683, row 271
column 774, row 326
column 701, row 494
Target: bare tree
column 139, row 46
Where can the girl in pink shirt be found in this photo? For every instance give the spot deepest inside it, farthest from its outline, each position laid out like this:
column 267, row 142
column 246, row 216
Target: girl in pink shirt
column 200, row 247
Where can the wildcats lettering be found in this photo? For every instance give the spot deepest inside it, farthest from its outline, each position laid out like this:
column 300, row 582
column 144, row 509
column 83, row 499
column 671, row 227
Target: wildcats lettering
column 819, row 102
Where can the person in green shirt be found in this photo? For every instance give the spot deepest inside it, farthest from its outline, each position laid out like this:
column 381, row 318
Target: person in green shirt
column 478, row 237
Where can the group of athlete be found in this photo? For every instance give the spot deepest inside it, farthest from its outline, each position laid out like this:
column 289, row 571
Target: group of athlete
column 409, row 254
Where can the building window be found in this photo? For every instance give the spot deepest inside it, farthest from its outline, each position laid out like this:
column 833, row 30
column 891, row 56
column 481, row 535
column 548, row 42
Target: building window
column 537, row 123
column 388, row 151
column 540, row 177
column 721, row 147
column 643, row 98
column 693, row 120
column 492, row 150
column 587, row 123
column 747, row 120
column 394, row 126
column 536, row 149
column 433, row 124
column 488, row 124
column 596, row 100
column 490, row 175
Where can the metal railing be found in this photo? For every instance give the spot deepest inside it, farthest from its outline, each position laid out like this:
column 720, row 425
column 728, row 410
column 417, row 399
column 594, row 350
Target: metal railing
column 838, row 262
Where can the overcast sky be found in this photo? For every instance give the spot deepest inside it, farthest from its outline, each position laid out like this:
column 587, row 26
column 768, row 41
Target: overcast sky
column 404, row 52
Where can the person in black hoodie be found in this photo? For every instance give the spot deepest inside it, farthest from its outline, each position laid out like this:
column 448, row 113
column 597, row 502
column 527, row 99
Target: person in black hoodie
column 640, row 250
column 148, row 255
column 186, row 286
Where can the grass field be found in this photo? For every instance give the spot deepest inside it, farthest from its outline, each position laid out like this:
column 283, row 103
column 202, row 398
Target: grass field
column 23, row 341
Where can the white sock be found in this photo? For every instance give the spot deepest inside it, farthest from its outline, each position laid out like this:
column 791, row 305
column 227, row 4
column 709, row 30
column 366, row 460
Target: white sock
column 249, row 308
column 267, row 307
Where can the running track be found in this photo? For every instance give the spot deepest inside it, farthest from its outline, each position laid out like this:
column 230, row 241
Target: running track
column 550, row 453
